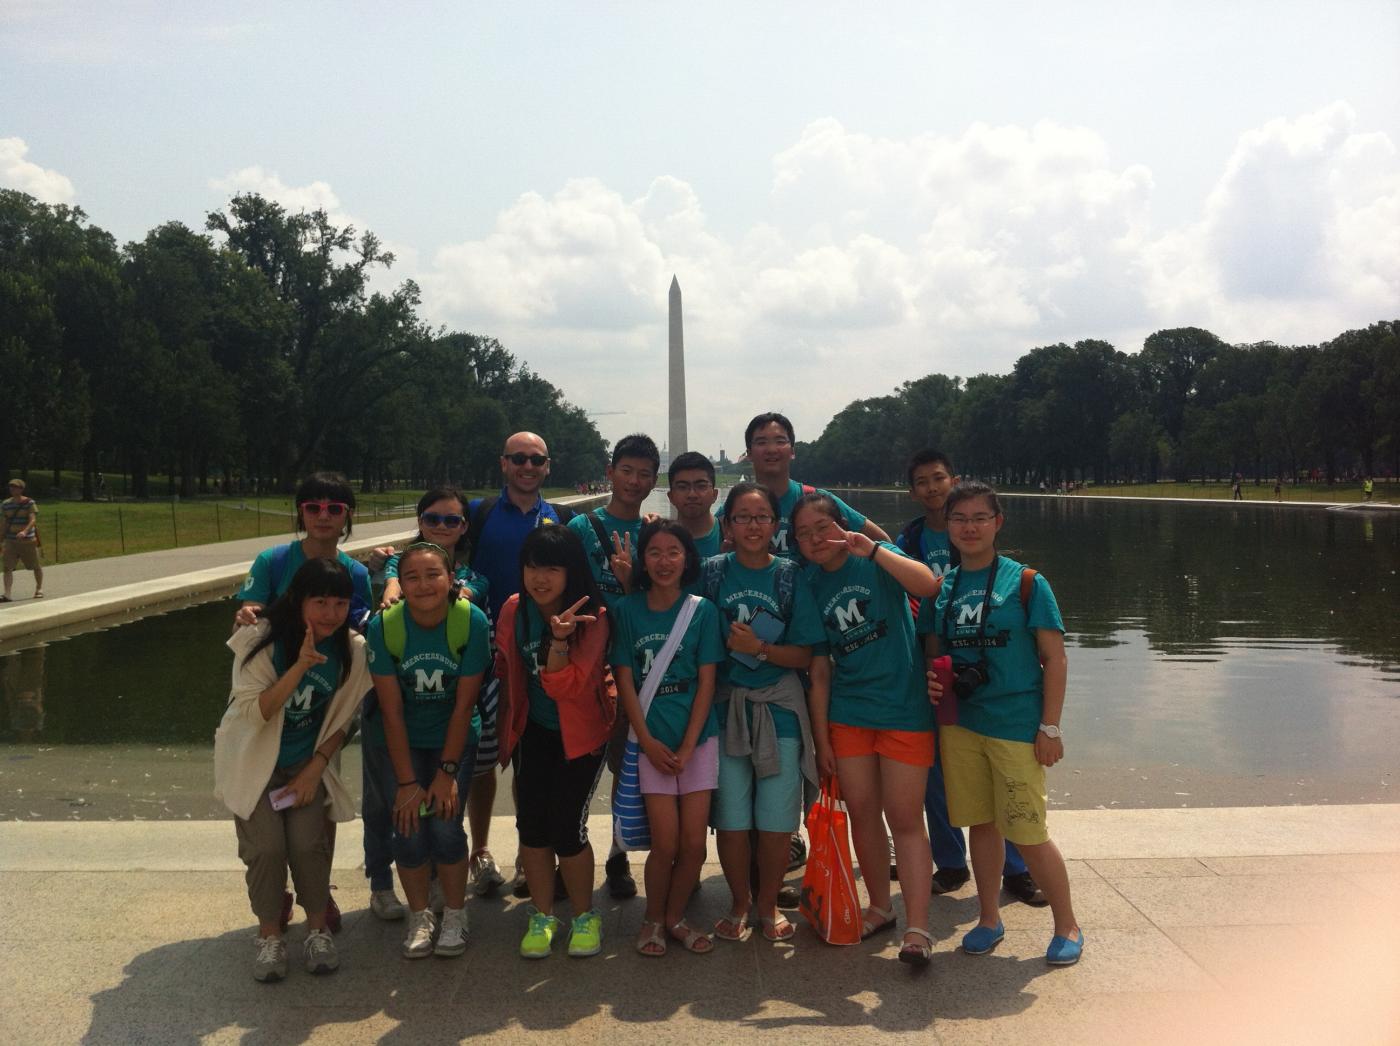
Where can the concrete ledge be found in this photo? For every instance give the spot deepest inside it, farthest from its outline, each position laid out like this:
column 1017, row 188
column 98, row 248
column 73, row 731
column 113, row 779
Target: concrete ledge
column 94, row 609
column 1230, row 832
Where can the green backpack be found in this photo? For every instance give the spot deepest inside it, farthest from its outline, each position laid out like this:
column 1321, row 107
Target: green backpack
column 459, row 628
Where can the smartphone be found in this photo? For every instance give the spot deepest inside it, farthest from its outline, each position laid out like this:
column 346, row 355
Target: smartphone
column 424, row 810
column 282, row 798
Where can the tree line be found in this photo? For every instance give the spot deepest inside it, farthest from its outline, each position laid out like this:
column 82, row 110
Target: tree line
column 244, row 355
column 1187, row 406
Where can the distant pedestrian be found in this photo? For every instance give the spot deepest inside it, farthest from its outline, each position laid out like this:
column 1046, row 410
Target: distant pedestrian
column 298, row 676
column 1278, row 489
column 1368, row 489
column 21, row 538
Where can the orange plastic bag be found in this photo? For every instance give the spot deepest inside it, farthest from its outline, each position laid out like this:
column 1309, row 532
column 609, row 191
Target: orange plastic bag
column 829, row 899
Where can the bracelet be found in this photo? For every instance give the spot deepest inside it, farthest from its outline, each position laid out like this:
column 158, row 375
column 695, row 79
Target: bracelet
column 408, row 784
column 323, row 756
column 873, row 552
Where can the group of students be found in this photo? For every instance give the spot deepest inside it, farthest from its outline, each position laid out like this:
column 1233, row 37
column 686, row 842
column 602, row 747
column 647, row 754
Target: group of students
column 748, row 658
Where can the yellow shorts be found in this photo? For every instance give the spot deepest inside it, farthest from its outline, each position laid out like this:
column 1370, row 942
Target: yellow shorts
column 989, row 780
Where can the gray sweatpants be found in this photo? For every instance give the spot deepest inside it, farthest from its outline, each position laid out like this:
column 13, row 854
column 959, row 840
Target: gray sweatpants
column 272, row 840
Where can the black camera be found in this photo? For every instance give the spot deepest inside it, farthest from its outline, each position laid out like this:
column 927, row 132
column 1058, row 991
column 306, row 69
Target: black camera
column 969, row 678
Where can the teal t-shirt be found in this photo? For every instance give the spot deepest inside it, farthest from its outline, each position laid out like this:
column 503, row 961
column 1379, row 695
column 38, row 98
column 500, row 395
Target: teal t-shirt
column 261, row 587
column 638, row 635
column 710, row 544
column 782, row 544
column 305, row 710
column 1009, row 704
column 877, row 678
column 535, row 652
column 934, row 549
column 742, row 593
column 598, row 556
column 465, row 575
column 427, row 677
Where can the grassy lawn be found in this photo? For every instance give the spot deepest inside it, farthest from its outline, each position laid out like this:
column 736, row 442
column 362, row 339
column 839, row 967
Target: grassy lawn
column 1387, row 492
column 76, row 530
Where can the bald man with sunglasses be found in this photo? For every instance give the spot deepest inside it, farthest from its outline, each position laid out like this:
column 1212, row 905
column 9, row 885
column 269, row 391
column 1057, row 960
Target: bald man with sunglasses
column 498, row 528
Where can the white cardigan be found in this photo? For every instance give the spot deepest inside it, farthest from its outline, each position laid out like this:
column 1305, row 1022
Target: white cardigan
column 246, row 744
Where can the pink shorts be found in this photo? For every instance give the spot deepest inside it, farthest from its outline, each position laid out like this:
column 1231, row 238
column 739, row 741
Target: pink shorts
column 701, row 774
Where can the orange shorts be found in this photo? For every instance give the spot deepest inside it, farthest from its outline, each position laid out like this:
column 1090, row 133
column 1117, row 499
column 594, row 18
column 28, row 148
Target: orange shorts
column 914, row 747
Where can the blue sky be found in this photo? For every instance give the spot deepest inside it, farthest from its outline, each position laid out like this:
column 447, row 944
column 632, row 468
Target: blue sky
column 852, row 195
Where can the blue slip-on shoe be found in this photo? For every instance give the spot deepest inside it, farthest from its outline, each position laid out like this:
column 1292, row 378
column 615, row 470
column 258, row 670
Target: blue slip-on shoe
column 1063, row 951
column 982, row 939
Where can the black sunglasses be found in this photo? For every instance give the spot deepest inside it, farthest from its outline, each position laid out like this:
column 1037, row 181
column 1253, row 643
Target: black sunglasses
column 519, row 458
column 437, row 519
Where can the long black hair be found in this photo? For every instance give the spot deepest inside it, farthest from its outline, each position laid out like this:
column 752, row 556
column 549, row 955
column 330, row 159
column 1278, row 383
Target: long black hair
column 640, row 578
column 316, row 577
column 461, row 551
column 555, row 546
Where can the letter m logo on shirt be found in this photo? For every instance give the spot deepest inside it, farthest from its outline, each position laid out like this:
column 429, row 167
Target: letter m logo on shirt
column 428, row 681
column 969, row 614
column 849, row 615
column 301, row 699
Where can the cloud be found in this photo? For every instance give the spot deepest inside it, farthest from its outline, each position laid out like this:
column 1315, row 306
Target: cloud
column 43, row 184
column 883, row 259
column 1298, row 240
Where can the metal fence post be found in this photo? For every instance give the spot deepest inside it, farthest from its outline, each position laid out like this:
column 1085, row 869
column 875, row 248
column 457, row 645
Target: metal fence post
column 175, row 527
column 218, row 530
column 55, row 536
column 121, row 529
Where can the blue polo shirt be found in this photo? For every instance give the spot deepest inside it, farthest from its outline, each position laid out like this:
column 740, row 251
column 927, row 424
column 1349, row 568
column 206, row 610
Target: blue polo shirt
column 497, row 554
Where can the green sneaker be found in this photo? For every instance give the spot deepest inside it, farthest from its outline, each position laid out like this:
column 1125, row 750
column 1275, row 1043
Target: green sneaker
column 540, row 936
column 586, row 937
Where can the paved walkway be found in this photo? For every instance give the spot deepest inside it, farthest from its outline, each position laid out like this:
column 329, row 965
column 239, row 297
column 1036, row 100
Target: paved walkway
column 1203, row 926
column 98, row 591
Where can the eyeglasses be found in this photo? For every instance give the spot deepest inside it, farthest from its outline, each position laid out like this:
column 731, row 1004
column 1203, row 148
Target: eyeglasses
column 700, row 486
column 519, row 458
column 665, row 554
column 764, row 442
column 820, row 530
column 436, row 519
column 333, row 509
column 979, row 520
column 763, row 519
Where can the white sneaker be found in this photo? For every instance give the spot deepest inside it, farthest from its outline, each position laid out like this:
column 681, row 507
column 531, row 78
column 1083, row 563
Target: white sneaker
column 436, row 901
column 318, row 952
column 452, row 941
column 271, row 962
column 418, row 944
column 385, row 904
column 486, row 878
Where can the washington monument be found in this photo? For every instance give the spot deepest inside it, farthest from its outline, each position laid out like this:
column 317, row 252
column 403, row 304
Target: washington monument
column 677, row 443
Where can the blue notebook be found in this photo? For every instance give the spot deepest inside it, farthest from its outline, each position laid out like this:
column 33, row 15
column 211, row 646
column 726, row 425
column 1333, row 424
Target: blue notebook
column 768, row 627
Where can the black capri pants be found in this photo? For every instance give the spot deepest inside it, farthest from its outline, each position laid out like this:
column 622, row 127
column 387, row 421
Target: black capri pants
column 552, row 792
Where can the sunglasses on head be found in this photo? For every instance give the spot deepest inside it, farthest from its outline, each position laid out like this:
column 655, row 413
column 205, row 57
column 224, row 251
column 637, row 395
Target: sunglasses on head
column 437, row 519
column 519, row 458
column 333, row 509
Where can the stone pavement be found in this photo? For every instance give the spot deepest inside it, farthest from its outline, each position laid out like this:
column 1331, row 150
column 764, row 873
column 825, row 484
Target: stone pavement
column 1255, row 925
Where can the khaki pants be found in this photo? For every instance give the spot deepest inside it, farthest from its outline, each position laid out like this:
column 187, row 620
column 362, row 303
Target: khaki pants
column 23, row 552
column 272, row 840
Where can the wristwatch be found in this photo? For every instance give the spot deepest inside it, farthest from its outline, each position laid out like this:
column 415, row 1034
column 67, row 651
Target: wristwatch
column 762, row 654
column 1050, row 731
column 449, row 767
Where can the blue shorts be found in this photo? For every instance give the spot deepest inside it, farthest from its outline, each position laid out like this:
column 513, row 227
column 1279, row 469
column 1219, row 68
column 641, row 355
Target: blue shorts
column 744, row 800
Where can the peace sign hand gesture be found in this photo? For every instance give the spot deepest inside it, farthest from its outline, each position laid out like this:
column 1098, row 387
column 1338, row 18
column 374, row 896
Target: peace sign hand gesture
column 563, row 625
column 621, row 560
column 856, row 542
column 308, row 656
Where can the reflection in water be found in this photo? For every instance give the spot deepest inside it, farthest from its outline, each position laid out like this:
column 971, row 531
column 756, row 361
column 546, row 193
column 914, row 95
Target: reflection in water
column 1237, row 641
column 23, row 676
